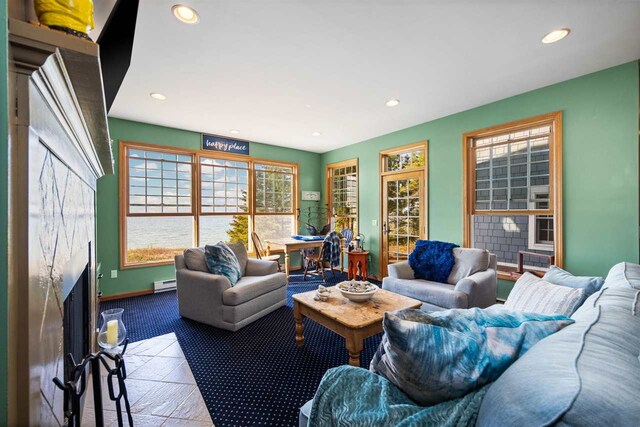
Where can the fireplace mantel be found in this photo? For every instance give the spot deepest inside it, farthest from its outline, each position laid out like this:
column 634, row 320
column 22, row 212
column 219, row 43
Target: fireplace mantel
column 59, row 146
column 32, row 46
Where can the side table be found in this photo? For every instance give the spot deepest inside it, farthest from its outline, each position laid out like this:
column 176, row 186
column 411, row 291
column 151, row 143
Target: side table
column 358, row 263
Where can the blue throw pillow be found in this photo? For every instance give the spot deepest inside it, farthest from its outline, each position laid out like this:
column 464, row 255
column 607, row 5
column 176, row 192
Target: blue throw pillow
column 439, row 356
column 222, row 261
column 432, row 260
column 560, row 277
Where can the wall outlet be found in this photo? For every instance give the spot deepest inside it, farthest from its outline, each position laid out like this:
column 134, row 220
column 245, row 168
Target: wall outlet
column 374, row 222
column 114, row 274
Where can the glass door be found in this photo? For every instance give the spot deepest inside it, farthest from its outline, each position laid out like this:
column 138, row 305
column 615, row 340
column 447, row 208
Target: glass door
column 402, row 205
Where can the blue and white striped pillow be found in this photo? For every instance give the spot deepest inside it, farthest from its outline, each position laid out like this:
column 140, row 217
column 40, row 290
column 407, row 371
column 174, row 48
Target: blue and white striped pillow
column 534, row 295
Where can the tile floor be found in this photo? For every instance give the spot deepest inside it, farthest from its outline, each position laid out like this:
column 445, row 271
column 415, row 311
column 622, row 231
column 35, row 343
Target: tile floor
column 160, row 386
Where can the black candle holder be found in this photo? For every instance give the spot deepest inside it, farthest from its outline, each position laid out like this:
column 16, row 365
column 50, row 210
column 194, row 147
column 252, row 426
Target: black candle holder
column 76, row 385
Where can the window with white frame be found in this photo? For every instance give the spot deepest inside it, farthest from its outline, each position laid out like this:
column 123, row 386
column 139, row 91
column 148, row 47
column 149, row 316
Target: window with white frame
column 540, row 226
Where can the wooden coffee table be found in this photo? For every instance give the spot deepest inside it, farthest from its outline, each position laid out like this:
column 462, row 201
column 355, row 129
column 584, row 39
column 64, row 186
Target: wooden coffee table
column 351, row 320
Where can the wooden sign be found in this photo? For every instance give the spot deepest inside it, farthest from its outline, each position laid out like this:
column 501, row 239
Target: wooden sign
column 225, row 145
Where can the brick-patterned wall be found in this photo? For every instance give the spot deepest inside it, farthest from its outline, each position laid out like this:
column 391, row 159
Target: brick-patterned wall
column 505, row 236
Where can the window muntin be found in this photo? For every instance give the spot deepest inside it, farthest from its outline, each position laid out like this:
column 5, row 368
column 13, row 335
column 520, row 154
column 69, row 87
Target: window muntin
column 224, row 186
column 403, row 215
column 508, row 165
column 228, row 198
column 342, row 191
column 159, row 182
column 159, row 198
column 274, row 215
column 512, row 199
column 274, row 189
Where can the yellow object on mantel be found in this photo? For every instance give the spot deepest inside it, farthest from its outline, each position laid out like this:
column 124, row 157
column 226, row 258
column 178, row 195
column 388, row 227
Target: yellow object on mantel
column 76, row 15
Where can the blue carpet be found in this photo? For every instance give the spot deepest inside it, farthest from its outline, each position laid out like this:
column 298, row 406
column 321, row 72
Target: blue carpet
column 257, row 375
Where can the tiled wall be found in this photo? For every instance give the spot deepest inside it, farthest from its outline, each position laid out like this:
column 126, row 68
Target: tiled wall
column 64, row 207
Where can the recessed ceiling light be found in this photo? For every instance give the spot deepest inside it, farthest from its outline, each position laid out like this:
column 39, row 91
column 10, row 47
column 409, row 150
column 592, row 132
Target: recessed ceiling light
column 316, row 134
column 556, row 35
column 185, row 14
column 392, row 102
column 234, row 131
column 158, row 96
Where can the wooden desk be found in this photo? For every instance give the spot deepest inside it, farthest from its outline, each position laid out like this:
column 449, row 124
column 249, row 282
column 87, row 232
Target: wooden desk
column 290, row 245
column 354, row 321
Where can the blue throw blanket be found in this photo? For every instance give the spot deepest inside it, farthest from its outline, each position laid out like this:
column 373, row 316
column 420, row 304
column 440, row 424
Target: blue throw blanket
column 432, row 260
column 350, row 396
column 331, row 249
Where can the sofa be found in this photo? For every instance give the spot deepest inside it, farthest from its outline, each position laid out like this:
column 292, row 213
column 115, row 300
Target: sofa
column 210, row 298
column 587, row 374
column 472, row 282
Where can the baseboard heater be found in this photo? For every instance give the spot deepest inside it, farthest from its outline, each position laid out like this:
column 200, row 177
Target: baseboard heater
column 164, row 285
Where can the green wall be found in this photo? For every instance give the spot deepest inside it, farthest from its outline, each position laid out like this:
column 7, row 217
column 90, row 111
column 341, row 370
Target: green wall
column 600, row 173
column 135, row 279
column 4, row 163
column 600, row 167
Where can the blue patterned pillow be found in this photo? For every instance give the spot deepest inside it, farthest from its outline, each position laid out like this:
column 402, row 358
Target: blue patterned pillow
column 439, row 356
column 222, row 261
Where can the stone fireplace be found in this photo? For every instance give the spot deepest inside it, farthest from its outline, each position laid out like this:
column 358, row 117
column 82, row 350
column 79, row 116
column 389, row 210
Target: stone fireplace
column 59, row 147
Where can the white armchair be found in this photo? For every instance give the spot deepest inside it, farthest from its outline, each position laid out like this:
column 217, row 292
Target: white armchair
column 472, row 283
column 210, row 298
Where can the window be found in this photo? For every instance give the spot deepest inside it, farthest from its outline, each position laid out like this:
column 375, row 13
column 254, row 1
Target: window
column 159, row 198
column 540, row 226
column 410, row 159
column 275, row 212
column 224, row 201
column 176, row 198
column 342, row 191
column 513, row 195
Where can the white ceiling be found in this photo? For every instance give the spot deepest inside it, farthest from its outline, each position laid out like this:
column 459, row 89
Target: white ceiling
column 280, row 70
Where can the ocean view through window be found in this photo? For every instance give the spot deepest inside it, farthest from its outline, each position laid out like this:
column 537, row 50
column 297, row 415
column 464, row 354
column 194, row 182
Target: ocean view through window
column 173, row 198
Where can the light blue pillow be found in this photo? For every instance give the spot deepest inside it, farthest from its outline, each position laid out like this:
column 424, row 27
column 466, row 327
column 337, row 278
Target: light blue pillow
column 560, row 277
column 439, row 356
column 222, row 261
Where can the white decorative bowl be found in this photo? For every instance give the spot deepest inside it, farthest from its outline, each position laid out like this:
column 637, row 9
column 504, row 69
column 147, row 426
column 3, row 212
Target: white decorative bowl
column 359, row 296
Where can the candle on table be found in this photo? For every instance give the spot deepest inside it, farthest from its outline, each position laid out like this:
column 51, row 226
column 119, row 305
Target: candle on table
column 112, row 332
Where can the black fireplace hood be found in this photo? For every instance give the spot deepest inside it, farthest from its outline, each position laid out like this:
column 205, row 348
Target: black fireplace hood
column 116, row 46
